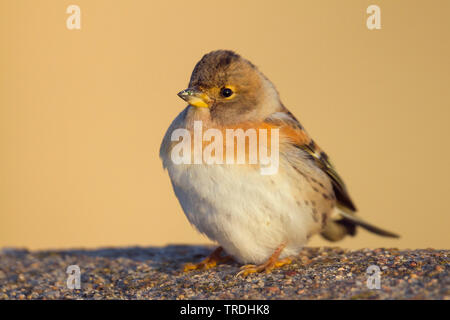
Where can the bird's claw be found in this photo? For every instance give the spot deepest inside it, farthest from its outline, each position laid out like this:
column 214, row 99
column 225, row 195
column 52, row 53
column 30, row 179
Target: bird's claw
column 209, row 262
column 203, row 265
column 266, row 267
column 251, row 268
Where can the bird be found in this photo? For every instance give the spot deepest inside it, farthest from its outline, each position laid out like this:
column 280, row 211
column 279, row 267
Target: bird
column 261, row 221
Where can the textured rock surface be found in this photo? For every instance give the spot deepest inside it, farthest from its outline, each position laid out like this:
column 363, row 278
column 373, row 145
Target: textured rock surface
column 154, row 273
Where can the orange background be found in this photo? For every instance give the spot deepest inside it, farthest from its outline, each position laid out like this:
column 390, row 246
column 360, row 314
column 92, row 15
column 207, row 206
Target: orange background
column 83, row 112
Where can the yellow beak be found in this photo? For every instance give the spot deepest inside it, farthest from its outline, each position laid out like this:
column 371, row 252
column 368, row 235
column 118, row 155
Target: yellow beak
column 195, row 97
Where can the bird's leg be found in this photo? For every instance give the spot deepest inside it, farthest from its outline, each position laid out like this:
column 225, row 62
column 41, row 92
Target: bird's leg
column 267, row 266
column 209, row 262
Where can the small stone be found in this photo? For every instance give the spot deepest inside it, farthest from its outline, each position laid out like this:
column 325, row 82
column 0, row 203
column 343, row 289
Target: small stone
column 273, row 289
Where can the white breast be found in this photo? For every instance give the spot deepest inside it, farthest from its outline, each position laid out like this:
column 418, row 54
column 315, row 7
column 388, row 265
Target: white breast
column 247, row 213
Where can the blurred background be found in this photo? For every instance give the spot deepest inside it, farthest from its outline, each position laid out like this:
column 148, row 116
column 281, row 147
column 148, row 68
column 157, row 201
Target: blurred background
column 83, row 112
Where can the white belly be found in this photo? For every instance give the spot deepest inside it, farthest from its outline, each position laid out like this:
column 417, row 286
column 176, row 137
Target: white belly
column 247, row 213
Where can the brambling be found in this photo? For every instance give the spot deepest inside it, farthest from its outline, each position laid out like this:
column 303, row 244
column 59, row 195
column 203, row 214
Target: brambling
column 258, row 220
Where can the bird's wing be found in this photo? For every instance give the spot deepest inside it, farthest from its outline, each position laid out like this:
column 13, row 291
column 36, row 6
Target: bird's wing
column 301, row 140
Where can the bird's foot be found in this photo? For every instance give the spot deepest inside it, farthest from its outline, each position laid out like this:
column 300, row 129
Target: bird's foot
column 209, row 262
column 266, row 267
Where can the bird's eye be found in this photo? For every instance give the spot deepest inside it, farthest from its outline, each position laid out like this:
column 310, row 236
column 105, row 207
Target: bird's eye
column 226, row 92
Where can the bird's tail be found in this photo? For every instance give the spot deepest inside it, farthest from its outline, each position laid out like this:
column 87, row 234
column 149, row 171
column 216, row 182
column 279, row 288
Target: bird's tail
column 336, row 230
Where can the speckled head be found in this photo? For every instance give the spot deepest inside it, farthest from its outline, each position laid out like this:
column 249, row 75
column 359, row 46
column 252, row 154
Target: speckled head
column 231, row 87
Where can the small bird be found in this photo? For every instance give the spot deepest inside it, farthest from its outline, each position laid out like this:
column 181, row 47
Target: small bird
column 258, row 220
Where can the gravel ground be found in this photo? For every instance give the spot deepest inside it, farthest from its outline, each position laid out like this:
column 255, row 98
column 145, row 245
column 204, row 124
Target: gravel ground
column 155, row 273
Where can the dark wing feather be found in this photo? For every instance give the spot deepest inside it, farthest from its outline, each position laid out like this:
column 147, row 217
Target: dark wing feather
column 348, row 219
column 339, row 188
column 286, row 118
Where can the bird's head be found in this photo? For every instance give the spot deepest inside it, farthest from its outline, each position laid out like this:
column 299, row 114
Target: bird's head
column 231, row 88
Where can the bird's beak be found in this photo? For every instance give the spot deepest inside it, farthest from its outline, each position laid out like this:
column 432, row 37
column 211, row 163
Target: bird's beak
column 195, row 97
